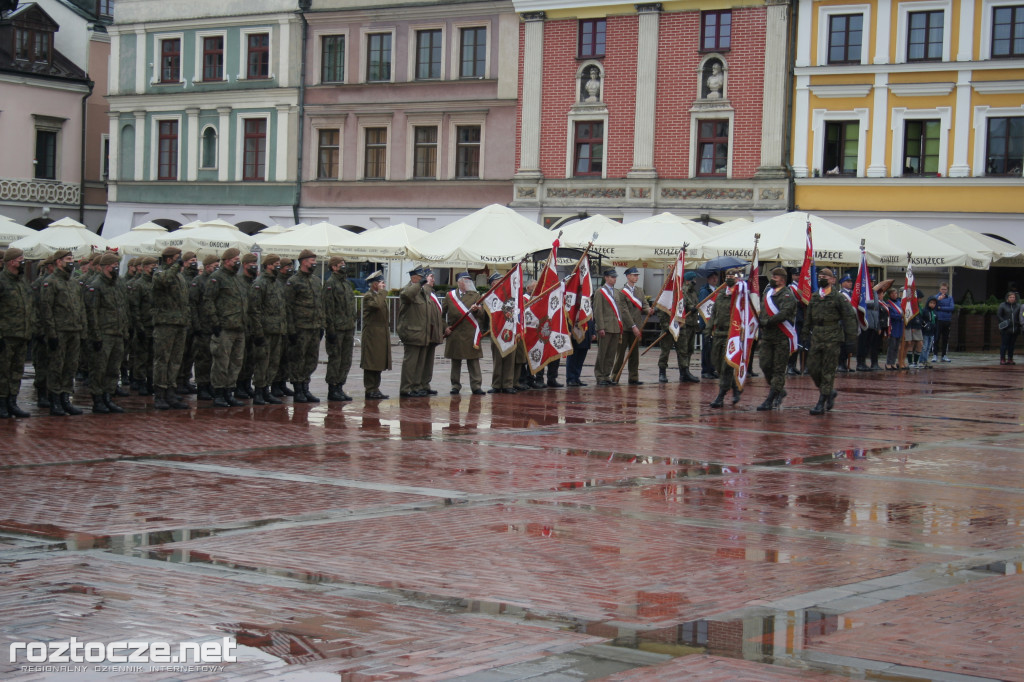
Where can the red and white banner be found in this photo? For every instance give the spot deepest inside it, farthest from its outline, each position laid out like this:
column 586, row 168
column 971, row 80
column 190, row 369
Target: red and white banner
column 477, row 333
column 504, row 306
column 909, row 302
column 787, row 327
column 579, row 300
column 863, row 293
column 807, row 281
column 742, row 332
column 670, row 300
column 545, row 332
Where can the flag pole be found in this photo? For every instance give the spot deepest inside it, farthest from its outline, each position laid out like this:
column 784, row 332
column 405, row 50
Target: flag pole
column 574, row 270
column 486, row 294
column 636, row 340
column 902, row 360
column 699, row 306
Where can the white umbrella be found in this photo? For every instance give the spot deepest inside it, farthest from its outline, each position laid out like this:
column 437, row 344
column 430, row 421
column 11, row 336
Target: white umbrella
column 389, row 243
column 784, row 238
column 494, row 235
column 139, row 241
column 11, row 231
column 210, row 237
column 268, row 232
column 888, row 242
column 323, row 239
column 578, row 234
column 998, row 252
column 63, row 234
column 658, row 238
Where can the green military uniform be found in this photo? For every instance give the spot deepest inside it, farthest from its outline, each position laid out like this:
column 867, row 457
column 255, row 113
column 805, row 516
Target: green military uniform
column 832, row 323
column 419, row 329
column 611, row 320
column 17, row 325
column 304, row 300
column 200, row 336
column 62, row 322
column 278, row 386
column 140, row 303
column 243, row 384
column 774, row 348
column 459, row 345
column 634, row 311
column 269, row 324
column 170, row 322
column 225, row 307
column 107, row 314
column 40, row 351
column 188, row 357
column 340, row 318
column 686, row 343
column 375, row 356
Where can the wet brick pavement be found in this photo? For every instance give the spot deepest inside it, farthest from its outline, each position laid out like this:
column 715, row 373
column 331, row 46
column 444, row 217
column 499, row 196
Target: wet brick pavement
column 623, row 533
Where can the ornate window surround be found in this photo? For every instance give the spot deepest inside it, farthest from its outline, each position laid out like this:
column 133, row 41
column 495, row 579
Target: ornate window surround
column 824, row 14
column 904, row 9
column 900, row 115
column 818, row 119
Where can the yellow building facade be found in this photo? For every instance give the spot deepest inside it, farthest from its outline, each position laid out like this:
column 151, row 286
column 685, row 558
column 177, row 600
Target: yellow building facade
column 911, row 109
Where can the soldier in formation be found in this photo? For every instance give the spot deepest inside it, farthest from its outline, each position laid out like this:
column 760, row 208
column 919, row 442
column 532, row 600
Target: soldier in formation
column 833, row 326
column 17, row 323
column 419, row 329
column 340, row 321
column 463, row 340
column 376, row 342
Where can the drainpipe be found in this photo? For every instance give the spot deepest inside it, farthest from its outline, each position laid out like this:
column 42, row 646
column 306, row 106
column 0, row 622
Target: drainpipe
column 81, row 180
column 787, row 153
column 304, row 5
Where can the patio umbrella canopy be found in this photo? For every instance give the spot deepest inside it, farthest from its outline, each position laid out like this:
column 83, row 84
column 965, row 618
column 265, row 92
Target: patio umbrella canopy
column 656, row 239
column 64, row 234
column 578, row 234
column 998, row 252
column 139, row 241
column 210, row 237
column 11, row 231
column 389, row 243
column 323, row 239
column 268, row 232
column 888, row 242
column 494, row 235
column 784, row 238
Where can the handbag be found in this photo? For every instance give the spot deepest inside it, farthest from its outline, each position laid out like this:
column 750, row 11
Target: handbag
column 1004, row 325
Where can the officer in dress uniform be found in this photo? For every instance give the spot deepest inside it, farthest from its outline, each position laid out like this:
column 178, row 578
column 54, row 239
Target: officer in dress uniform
column 375, row 357
column 419, row 329
column 688, row 330
column 462, row 342
column 633, row 315
column 609, row 322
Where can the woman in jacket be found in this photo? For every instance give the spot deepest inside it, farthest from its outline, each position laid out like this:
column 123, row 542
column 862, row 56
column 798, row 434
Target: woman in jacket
column 1009, row 316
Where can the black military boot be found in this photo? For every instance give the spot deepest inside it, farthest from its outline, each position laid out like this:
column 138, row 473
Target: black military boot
column 341, row 393
column 176, row 403
column 275, row 389
column 232, row 400
column 685, row 375
column 720, row 400
column 124, row 376
column 820, row 407
column 220, row 397
column 121, row 392
column 778, row 399
column 257, row 398
column 332, row 395
column 285, row 390
column 146, row 387
column 56, row 409
column 310, row 398
column 98, row 406
column 111, row 405
column 769, row 402
column 663, row 376
column 736, row 393
column 69, row 408
column 159, row 400
column 4, row 414
column 14, row 410
column 268, row 396
column 42, row 399
column 831, row 400
column 300, row 395
column 205, row 392
column 240, row 391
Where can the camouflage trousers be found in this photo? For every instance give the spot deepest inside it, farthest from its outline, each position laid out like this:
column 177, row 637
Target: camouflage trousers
column 41, row 363
column 168, row 350
column 204, row 361
column 266, row 359
column 227, row 350
column 339, row 357
column 64, row 363
column 822, row 362
column 105, row 364
column 684, row 346
column 724, row 369
column 774, row 356
column 12, row 366
column 305, row 354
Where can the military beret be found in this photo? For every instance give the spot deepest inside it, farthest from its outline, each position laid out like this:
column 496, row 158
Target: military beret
column 170, row 252
column 376, row 276
column 229, row 253
column 285, row 262
column 462, row 275
column 494, row 277
column 270, row 259
column 610, row 272
column 733, row 272
column 209, row 260
column 109, row 259
column 61, row 253
column 306, row 253
column 249, row 258
column 188, row 255
column 94, row 258
column 825, row 272
column 48, row 260
column 690, row 275
column 632, row 271
column 132, row 262
column 12, row 253
column 336, row 260
column 781, row 272
column 148, row 260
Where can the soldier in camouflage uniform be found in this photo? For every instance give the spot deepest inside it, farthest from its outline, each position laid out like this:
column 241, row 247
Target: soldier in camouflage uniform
column 340, row 318
column 688, row 330
column 62, row 322
column 721, row 313
column 40, row 351
column 375, row 357
column 247, row 275
column 201, row 329
column 279, row 388
column 305, row 308
column 778, row 313
column 140, row 305
column 189, row 270
column 459, row 342
column 833, row 326
column 107, row 312
column 170, row 320
column 17, row 326
column 226, row 307
column 269, row 325
column 131, row 273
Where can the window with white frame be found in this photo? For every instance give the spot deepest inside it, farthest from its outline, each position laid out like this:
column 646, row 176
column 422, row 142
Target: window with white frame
column 473, row 52
column 841, row 150
column 713, row 147
column 375, row 153
column 378, row 57
column 923, row 31
column 167, row 150
column 424, row 163
column 842, row 38
column 328, row 156
column 588, row 146
column 46, row 153
column 1004, row 145
column 428, row 54
column 257, row 56
column 254, row 149
column 920, row 141
column 166, row 60
column 332, row 59
column 468, row 145
column 1008, row 31
column 212, row 58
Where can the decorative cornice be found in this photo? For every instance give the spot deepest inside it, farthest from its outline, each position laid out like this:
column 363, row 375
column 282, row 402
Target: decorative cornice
column 538, row 15
column 39, row 191
column 834, row 91
column 998, row 87
column 921, row 89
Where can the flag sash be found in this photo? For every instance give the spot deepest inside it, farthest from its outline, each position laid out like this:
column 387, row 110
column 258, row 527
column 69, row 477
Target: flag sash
column 631, row 297
column 610, row 297
column 579, row 300
column 742, row 330
column 787, row 327
column 437, row 301
column 461, row 307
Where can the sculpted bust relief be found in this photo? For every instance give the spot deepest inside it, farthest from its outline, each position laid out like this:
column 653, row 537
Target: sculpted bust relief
column 715, row 82
column 592, row 87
